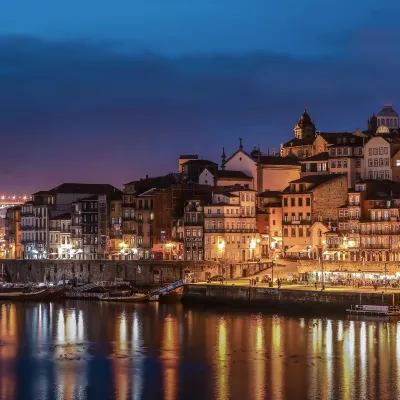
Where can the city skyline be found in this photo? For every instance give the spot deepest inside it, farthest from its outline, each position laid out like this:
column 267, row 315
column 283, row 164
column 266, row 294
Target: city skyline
column 88, row 100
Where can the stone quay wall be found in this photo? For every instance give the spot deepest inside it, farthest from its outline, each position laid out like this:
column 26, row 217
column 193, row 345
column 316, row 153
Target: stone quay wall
column 138, row 272
column 283, row 299
column 349, row 266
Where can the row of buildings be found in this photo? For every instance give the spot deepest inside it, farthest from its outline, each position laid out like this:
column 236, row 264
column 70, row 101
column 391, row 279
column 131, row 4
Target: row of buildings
column 325, row 195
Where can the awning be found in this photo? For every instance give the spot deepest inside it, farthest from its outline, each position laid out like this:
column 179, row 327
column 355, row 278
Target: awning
column 329, row 252
column 298, row 248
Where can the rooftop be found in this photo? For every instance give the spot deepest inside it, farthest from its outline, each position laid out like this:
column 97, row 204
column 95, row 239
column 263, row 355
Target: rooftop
column 315, row 180
column 270, row 193
column 324, row 156
column 199, row 162
column 188, row 157
column 299, row 142
column 225, row 174
column 278, row 160
column 80, row 188
column 387, row 111
column 64, row 216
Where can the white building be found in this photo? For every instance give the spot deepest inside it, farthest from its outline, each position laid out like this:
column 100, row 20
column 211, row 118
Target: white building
column 230, row 227
column 60, row 237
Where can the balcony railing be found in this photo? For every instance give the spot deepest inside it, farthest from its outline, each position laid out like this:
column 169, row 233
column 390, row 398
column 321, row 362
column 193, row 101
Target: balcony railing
column 129, row 231
column 374, row 246
column 27, row 214
column 297, row 222
column 217, row 230
column 27, row 227
column 194, row 223
column 128, row 218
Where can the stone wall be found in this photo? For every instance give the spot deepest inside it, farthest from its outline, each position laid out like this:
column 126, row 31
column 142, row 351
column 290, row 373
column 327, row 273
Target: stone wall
column 138, row 272
column 349, row 266
column 271, row 298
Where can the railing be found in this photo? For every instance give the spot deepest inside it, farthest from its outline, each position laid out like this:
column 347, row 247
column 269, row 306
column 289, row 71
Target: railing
column 128, row 218
column 375, row 233
column 27, row 227
column 27, row 214
column 230, row 230
column 374, row 246
column 229, row 215
column 194, row 223
column 298, row 222
column 127, row 204
column 129, row 231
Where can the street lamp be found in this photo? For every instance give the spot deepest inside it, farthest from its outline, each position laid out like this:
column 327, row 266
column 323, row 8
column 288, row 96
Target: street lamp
column 170, row 247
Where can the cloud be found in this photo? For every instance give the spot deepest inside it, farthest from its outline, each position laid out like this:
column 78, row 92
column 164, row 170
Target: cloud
column 87, row 112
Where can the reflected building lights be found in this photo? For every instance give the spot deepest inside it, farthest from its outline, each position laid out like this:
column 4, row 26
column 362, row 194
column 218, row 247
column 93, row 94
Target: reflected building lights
column 137, row 379
column 277, row 370
column 223, row 362
column 259, row 361
column 170, row 358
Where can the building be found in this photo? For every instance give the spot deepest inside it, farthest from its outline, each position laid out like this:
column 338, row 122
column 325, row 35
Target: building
column 305, row 201
column 184, row 158
column 346, row 156
column 169, row 216
column 315, row 165
column 35, row 214
column 269, row 223
column 138, row 215
column 13, row 232
column 269, row 172
column 115, row 220
column 230, row 227
column 90, row 228
column 368, row 224
column 60, row 243
column 34, row 230
column 192, row 169
column 194, row 230
column 226, row 178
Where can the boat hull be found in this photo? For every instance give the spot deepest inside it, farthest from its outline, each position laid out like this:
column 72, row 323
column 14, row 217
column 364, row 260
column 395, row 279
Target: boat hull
column 42, row 295
column 127, row 299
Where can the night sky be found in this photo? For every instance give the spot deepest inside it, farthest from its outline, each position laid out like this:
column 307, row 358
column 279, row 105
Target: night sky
column 108, row 91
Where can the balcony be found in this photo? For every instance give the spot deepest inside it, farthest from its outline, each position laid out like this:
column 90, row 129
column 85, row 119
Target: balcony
column 140, row 221
column 129, row 231
column 297, row 222
column 127, row 204
column 374, row 246
column 27, row 227
column 194, row 223
column 116, row 235
column 128, row 218
column 27, row 214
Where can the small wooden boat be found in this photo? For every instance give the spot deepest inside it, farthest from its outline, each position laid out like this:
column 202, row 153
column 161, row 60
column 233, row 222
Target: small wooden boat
column 38, row 295
column 135, row 298
column 381, row 311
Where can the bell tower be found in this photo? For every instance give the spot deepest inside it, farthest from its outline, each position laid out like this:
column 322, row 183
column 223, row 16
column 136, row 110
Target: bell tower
column 305, row 128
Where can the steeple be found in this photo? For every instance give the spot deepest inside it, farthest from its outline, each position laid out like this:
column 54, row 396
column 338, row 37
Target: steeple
column 240, row 144
column 223, row 158
column 305, row 128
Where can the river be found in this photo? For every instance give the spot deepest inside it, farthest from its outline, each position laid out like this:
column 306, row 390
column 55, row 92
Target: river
column 91, row 350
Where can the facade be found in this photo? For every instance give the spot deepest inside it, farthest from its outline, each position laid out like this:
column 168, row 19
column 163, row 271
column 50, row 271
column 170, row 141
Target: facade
column 315, row 165
column 34, row 229
column 230, row 227
column 225, row 178
column 192, row 169
column 378, row 157
column 305, row 201
column 269, row 172
column 60, row 243
column 13, row 234
column 115, row 221
column 194, row 230
column 90, row 228
column 346, row 156
column 269, row 223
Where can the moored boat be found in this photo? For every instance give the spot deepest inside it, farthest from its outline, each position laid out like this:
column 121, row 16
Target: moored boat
column 34, row 295
column 381, row 311
column 135, row 298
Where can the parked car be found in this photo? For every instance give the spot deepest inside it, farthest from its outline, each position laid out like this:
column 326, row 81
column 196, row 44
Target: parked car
column 216, row 278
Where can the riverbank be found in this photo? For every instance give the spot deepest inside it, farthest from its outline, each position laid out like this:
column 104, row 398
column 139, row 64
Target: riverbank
column 285, row 299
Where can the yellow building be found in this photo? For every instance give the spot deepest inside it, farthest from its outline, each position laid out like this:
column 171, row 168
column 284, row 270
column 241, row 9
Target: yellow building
column 115, row 221
column 13, row 233
column 230, row 227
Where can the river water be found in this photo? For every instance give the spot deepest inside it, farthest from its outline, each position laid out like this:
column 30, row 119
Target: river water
column 91, row 350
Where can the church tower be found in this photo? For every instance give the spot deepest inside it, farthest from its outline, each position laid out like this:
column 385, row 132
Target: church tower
column 305, row 128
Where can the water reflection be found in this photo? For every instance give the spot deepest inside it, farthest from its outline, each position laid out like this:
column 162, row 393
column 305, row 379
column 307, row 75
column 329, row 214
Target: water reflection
column 88, row 350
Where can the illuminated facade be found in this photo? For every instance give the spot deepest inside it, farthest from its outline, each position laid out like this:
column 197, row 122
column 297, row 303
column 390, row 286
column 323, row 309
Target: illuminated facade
column 13, row 234
column 60, row 243
column 115, row 220
column 230, row 227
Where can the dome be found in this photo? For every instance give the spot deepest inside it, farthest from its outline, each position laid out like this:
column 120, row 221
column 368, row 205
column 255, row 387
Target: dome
column 387, row 111
column 305, row 119
column 382, row 129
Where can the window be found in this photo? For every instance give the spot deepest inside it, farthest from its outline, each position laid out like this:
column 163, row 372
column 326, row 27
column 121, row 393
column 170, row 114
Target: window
column 308, row 217
column 293, row 202
column 188, row 232
column 285, row 199
column 344, row 163
column 381, row 162
column 360, row 151
column 370, row 152
column 285, row 217
column 386, row 150
column 324, row 166
column 293, row 233
column 285, row 232
column 300, row 232
column 386, row 162
column 375, row 151
column 333, row 164
column 339, row 152
column 386, row 174
column 339, row 164
column 358, row 163
column 308, row 202
column 380, row 150
column 333, row 153
column 293, row 217
column 375, row 162
column 300, row 202
column 345, row 151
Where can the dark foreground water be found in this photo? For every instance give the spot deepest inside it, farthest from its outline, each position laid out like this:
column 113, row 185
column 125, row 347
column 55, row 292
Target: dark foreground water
column 89, row 350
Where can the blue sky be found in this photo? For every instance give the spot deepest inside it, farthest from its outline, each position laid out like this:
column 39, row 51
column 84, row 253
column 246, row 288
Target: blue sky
column 107, row 91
